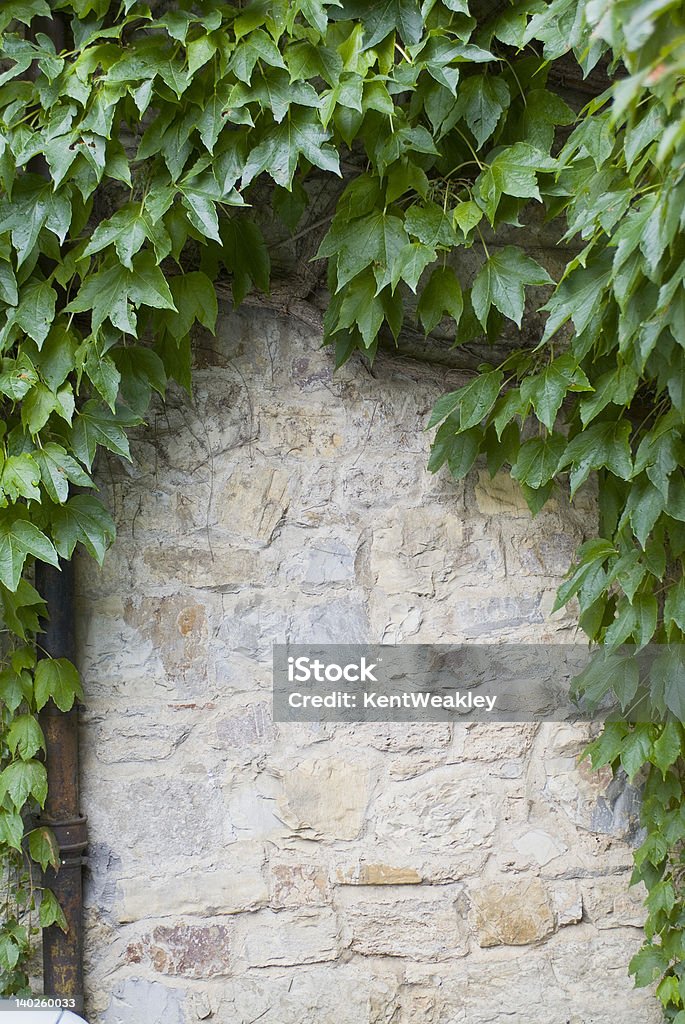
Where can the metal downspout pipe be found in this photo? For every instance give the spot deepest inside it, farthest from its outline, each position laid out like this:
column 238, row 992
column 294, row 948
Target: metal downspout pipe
column 62, row 953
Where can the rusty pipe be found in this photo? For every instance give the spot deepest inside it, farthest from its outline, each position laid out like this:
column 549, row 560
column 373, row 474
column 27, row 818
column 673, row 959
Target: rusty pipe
column 62, row 953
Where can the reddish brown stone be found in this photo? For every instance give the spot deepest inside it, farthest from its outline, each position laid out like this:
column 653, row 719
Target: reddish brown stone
column 195, row 951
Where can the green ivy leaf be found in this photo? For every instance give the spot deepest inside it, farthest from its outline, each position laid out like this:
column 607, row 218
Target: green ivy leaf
column 278, row 154
column 96, row 424
column 463, row 452
column 56, row 679
column 36, row 310
column 636, row 619
column 12, row 833
column 125, row 230
column 83, row 519
column 538, row 460
column 441, row 295
column 25, row 737
column 546, row 391
column 380, row 17
column 109, row 293
column 668, row 680
column 43, row 847
column 18, row 540
column 23, row 779
column 245, row 255
column 20, row 478
column 667, row 748
column 501, row 282
column 50, row 912
column 481, row 101
column 474, row 400
column 195, row 299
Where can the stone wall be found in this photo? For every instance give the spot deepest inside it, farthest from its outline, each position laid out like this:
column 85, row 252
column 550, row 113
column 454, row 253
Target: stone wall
column 242, row 871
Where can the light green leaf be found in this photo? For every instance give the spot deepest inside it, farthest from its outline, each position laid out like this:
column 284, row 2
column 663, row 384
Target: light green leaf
column 50, row 912
column 23, row 779
column 474, row 400
column 546, row 390
column 96, row 424
column 410, row 263
column 668, row 747
column 43, row 847
column 602, row 444
column 20, row 478
column 18, row 540
column 202, row 211
column 361, row 306
column 674, row 605
column 25, row 737
column 668, row 678
column 431, row 225
column 278, row 154
column 57, row 469
column 56, row 679
column 125, row 230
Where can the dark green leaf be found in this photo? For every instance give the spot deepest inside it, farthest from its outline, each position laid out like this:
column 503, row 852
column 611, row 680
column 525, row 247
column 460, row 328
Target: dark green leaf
column 501, row 282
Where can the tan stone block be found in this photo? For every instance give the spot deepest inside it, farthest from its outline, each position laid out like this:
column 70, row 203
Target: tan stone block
column 297, row 885
column 412, row 550
column 611, row 903
column 500, row 496
column 329, row 993
column 377, row 874
column 223, row 566
column 202, row 888
column 305, row 432
column 253, row 502
column 426, row 923
column 498, row 741
column 325, row 798
column 287, row 938
column 538, row 847
column 450, row 809
column 511, row 914
column 403, row 737
column 177, row 628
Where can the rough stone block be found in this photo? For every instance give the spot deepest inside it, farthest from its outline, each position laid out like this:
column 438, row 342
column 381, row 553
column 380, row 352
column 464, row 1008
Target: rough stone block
column 287, row 938
column 297, row 885
column 325, row 798
column 424, row 923
column 139, row 1001
column 511, row 914
column 191, row 950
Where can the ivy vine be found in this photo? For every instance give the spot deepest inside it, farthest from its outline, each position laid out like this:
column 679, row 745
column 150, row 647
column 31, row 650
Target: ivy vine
column 133, row 142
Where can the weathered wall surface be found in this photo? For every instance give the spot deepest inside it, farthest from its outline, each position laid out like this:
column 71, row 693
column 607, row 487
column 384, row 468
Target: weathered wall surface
column 243, row 871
